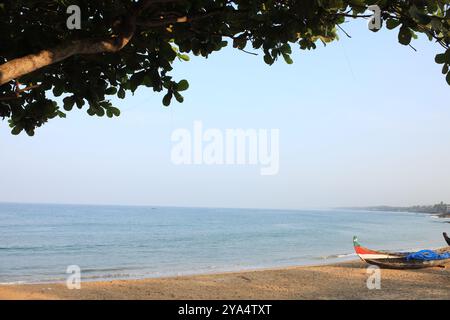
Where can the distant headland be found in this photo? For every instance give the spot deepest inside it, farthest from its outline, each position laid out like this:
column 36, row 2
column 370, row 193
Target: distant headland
column 440, row 209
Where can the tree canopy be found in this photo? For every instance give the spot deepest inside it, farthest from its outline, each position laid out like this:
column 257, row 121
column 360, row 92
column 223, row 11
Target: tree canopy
column 126, row 44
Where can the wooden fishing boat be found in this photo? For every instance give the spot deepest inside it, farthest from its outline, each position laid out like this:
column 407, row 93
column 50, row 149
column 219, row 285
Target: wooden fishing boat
column 447, row 238
column 397, row 260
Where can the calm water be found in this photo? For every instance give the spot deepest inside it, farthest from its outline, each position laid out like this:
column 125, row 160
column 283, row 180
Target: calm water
column 38, row 242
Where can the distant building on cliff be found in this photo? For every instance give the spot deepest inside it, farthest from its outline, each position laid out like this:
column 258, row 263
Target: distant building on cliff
column 442, row 207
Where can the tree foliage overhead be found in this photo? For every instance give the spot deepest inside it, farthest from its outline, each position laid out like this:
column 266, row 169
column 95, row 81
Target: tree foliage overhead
column 126, row 44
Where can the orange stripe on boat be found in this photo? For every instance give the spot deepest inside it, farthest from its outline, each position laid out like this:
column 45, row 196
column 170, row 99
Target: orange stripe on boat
column 362, row 250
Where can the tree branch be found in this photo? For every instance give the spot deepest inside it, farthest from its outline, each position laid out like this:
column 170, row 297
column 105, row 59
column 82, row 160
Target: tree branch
column 18, row 91
column 19, row 67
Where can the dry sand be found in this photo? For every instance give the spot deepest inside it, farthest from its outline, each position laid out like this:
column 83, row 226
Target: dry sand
column 338, row 281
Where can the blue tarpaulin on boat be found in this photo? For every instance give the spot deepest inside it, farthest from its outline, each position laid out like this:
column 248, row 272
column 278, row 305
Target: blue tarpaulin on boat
column 427, row 255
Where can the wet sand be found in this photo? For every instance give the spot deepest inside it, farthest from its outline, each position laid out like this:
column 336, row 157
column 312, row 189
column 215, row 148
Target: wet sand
column 337, row 281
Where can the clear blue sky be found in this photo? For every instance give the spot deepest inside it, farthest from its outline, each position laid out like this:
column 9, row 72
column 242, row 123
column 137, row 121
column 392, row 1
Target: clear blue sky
column 363, row 121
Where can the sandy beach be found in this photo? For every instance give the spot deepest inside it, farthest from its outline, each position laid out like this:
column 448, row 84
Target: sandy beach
column 337, row 281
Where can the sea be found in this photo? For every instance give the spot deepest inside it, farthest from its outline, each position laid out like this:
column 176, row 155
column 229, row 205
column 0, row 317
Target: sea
column 41, row 243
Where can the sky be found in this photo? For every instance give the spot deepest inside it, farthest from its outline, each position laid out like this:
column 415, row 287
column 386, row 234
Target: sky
column 362, row 121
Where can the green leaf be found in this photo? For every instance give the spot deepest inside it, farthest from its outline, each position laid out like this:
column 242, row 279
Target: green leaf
column 79, row 102
column 184, row 57
column 68, row 103
column 111, row 91
column 182, row 85
column 404, row 36
column 61, row 114
column 100, row 112
column 30, row 132
column 448, row 78
column 121, row 93
column 58, row 90
column 447, row 56
column 287, row 58
column 115, row 111
column 268, row 59
column 436, row 23
column 137, row 79
column 440, row 58
column 240, row 42
column 445, row 69
column 418, row 15
column 16, row 130
column 178, row 96
column 167, row 98
column 392, row 24
column 286, row 48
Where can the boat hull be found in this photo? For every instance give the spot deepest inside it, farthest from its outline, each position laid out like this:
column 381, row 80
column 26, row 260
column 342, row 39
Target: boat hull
column 403, row 264
column 397, row 260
